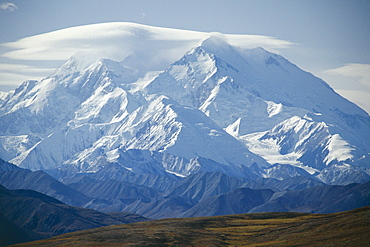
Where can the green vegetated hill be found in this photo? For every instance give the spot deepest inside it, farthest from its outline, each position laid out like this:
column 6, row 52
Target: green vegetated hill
column 350, row 228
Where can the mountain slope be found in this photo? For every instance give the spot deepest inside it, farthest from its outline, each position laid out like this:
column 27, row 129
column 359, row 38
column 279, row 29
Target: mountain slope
column 10, row 233
column 40, row 216
column 319, row 199
column 13, row 177
column 241, row 200
column 203, row 185
column 159, row 125
column 116, row 195
column 43, row 183
column 278, row 111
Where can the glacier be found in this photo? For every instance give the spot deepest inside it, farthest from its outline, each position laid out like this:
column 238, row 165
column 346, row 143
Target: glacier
column 246, row 113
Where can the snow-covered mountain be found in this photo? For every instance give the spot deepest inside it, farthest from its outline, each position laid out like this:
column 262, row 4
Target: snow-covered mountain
column 220, row 108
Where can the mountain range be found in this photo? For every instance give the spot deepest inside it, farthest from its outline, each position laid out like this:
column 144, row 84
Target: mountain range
column 29, row 215
column 222, row 130
column 200, row 194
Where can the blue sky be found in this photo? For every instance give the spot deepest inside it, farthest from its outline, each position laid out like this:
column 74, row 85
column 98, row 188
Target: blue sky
column 328, row 38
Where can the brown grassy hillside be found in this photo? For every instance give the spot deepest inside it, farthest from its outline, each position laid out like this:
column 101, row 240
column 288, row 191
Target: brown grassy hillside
column 350, row 228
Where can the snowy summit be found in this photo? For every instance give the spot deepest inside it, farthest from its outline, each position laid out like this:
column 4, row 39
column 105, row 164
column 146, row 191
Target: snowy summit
column 175, row 103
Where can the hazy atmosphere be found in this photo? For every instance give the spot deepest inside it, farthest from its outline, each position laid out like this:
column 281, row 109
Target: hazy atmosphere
column 327, row 38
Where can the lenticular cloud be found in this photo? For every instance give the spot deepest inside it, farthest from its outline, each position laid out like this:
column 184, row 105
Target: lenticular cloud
column 145, row 47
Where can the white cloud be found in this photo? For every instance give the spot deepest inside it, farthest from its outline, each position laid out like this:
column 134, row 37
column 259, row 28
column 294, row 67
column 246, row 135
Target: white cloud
column 360, row 98
column 118, row 41
column 13, row 80
column 8, row 6
column 144, row 47
column 26, row 69
column 355, row 70
column 12, row 75
column 352, row 81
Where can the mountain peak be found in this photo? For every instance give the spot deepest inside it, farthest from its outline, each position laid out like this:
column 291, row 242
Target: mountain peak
column 260, row 49
column 76, row 63
column 218, row 46
column 214, row 41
